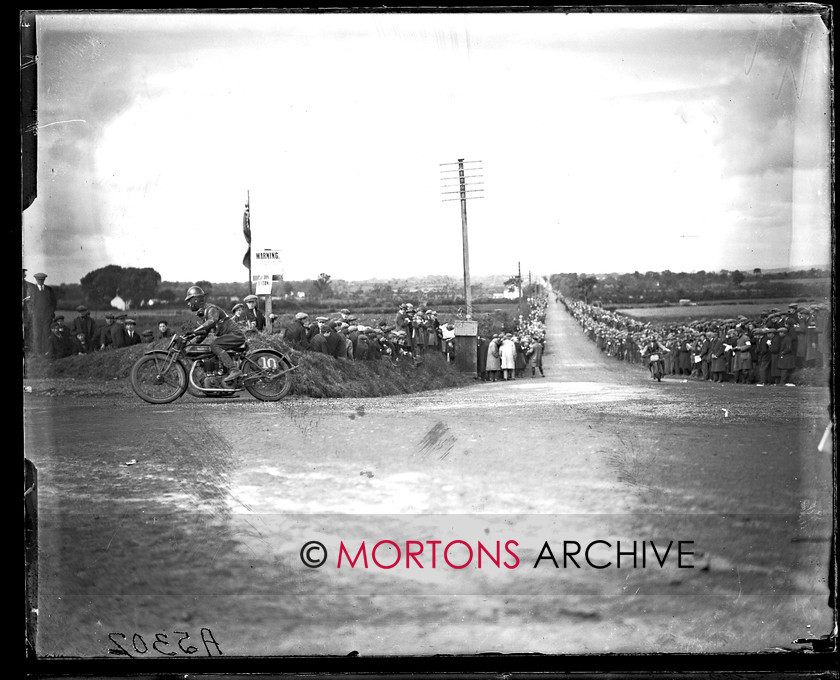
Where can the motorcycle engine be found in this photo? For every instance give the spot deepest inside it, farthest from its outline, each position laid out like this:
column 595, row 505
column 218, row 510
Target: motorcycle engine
column 212, row 382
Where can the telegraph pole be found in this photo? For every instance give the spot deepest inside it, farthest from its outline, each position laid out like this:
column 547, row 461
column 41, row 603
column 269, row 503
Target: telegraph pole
column 462, row 196
column 519, row 283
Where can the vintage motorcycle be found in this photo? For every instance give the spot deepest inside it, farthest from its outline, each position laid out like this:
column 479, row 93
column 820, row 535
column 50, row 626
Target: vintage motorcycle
column 161, row 376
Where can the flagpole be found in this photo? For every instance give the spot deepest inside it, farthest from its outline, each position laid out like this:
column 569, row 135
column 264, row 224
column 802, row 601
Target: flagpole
column 246, row 228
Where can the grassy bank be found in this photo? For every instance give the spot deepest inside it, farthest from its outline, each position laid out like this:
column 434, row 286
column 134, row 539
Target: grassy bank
column 318, row 375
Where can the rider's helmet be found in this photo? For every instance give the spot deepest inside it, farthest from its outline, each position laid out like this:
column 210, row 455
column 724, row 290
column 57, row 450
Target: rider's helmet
column 195, row 297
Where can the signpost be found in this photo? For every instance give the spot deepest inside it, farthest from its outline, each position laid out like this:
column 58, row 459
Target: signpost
column 265, row 264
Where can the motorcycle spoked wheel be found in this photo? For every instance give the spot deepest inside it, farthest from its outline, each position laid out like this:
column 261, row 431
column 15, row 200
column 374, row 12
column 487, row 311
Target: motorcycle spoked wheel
column 155, row 382
column 272, row 383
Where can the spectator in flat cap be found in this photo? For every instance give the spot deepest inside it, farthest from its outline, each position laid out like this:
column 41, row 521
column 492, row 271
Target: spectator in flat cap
column 105, row 340
column 118, row 331
column 58, row 346
column 148, row 335
column 253, row 314
column 787, row 357
column 66, row 333
column 83, row 323
column 132, row 337
column 295, row 332
column 41, row 303
column 238, row 315
column 327, row 342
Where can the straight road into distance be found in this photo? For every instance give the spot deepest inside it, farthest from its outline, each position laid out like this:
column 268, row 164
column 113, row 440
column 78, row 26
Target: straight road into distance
column 192, row 515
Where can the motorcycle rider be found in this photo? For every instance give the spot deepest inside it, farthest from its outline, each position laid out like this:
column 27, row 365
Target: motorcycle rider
column 228, row 333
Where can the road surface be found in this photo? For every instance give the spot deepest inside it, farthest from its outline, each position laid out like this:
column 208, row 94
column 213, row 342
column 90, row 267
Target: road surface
column 192, row 515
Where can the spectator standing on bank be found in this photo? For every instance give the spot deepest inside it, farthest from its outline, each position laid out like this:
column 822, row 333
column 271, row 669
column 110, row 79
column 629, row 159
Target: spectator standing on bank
column 43, row 303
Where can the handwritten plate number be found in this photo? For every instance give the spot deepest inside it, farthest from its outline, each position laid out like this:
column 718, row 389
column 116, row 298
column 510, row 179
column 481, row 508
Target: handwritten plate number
column 163, row 641
column 186, row 636
column 120, row 650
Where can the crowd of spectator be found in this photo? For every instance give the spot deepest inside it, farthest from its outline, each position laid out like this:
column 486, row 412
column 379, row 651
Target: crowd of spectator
column 412, row 333
column 770, row 349
column 508, row 356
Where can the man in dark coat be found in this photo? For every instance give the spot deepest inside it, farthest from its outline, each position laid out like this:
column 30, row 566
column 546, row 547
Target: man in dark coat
column 42, row 303
column 132, row 337
column 717, row 355
column 481, row 357
column 327, row 342
column 57, row 345
column 118, row 332
column 81, row 345
column 787, row 357
column 84, row 324
column 105, row 340
column 295, row 332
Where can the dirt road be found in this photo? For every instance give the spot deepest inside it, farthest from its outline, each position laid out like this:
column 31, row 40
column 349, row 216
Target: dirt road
column 191, row 516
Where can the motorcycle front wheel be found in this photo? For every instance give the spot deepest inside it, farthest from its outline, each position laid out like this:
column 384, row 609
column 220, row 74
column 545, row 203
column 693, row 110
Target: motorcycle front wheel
column 269, row 375
column 157, row 381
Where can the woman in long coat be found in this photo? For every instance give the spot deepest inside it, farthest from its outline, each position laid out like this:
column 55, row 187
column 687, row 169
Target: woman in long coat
column 508, row 356
column 494, row 361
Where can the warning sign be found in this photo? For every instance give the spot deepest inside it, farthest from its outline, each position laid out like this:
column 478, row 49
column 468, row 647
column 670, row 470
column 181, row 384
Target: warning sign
column 266, row 261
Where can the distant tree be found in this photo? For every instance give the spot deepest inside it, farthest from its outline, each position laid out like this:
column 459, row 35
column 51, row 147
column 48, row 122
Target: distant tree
column 132, row 284
column 737, row 277
column 757, row 271
column 167, row 295
column 322, row 285
column 586, row 284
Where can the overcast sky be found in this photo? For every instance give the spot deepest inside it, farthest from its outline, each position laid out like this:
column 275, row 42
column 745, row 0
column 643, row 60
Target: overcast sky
column 608, row 142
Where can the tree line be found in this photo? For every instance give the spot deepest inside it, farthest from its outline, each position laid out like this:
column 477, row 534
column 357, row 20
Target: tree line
column 667, row 286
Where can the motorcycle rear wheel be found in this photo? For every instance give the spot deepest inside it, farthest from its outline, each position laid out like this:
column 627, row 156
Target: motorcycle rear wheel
column 156, row 382
column 272, row 384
